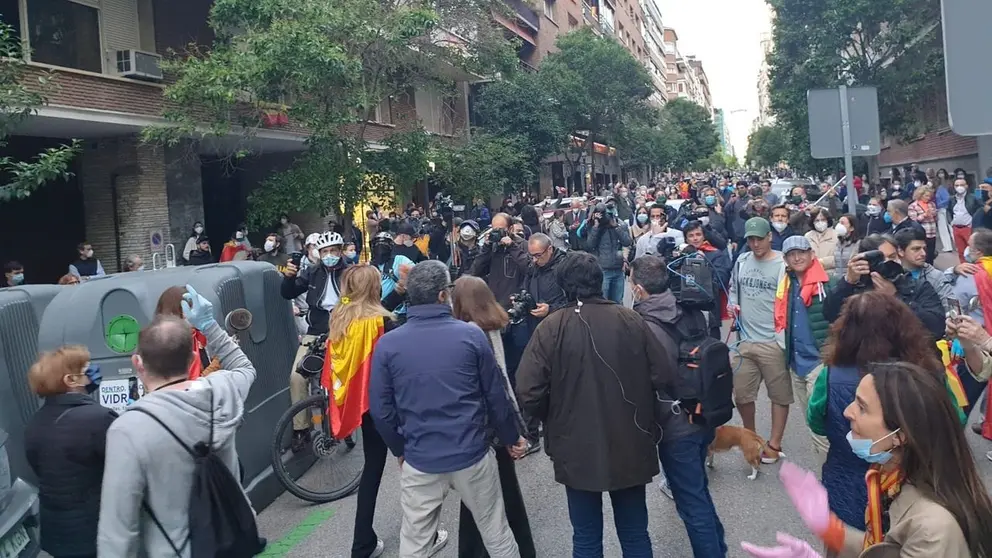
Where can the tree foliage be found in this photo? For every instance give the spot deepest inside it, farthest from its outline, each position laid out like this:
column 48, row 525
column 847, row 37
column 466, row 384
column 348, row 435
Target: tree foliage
column 696, row 125
column 18, row 101
column 328, row 65
column 658, row 143
column 487, row 165
column 767, row 146
column 893, row 45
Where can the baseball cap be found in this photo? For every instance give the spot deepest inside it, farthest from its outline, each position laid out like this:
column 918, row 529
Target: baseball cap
column 757, row 227
column 795, row 243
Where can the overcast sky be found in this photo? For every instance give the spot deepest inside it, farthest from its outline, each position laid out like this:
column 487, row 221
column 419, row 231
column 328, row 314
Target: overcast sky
column 726, row 36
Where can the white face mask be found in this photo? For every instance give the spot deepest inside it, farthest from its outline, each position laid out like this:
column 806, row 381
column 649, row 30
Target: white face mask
column 270, row 246
column 896, row 187
column 239, row 235
column 874, row 210
column 407, row 243
column 779, row 226
column 820, row 226
column 841, row 230
column 314, row 255
column 960, row 190
column 198, row 230
column 88, row 253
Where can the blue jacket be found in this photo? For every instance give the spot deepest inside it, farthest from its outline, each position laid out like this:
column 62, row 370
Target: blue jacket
column 434, row 390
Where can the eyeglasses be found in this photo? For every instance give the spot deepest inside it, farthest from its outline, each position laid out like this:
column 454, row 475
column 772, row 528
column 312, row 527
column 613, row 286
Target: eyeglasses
column 539, row 254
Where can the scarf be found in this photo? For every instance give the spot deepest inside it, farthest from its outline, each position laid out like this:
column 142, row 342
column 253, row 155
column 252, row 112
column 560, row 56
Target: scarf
column 882, row 489
column 983, row 281
column 199, row 344
column 347, row 367
column 812, row 284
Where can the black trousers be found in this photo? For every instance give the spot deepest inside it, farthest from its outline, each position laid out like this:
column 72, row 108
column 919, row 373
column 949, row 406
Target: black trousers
column 931, row 250
column 375, row 448
column 470, row 541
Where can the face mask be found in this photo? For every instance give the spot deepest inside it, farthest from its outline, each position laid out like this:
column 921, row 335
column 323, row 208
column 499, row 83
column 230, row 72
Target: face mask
column 887, row 218
column 330, row 261
column 779, row 226
column 709, row 200
column 820, row 226
column 314, row 255
column 874, row 210
column 797, row 200
column 968, row 257
column 662, row 199
column 841, row 230
column 17, row 278
column 960, row 190
column 351, row 255
column 88, row 253
column 705, row 220
column 284, row 221
column 407, row 243
column 896, row 187
column 270, row 246
column 239, row 235
column 141, row 267
column 198, row 230
column 862, row 448
column 642, row 219
column 95, row 376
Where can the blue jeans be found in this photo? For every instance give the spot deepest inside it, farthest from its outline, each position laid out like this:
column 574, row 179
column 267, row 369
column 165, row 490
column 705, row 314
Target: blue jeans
column 684, row 462
column 613, row 285
column 630, row 515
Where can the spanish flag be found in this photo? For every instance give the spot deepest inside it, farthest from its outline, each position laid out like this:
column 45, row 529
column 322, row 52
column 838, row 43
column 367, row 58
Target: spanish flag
column 346, row 374
column 951, row 355
column 196, row 365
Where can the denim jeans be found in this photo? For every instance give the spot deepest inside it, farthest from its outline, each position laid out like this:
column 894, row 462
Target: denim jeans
column 630, row 515
column 613, row 285
column 684, row 463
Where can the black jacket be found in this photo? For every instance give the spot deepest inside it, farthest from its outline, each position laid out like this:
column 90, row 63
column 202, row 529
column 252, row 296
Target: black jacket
column 504, row 269
column 313, row 281
column 920, row 296
column 543, row 286
column 907, row 224
column 197, row 257
column 65, row 444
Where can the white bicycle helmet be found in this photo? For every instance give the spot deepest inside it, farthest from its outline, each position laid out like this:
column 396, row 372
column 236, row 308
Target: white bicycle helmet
column 328, row 239
column 312, row 239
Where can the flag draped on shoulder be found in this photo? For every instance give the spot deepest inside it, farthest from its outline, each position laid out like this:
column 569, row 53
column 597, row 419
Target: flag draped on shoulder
column 346, row 374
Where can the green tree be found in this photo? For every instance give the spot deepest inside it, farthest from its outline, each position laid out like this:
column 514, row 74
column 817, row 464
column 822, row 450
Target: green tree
column 486, row 165
column 893, row 45
column 767, row 146
column 597, row 89
column 18, row 101
column 658, row 143
column 329, row 65
column 696, row 125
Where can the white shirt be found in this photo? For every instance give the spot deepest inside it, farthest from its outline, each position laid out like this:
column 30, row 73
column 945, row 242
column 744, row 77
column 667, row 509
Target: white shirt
column 648, row 242
column 961, row 216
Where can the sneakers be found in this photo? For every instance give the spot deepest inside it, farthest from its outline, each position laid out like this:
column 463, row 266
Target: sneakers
column 664, row 488
column 771, row 454
column 532, row 447
column 380, row 547
column 440, row 541
column 988, row 456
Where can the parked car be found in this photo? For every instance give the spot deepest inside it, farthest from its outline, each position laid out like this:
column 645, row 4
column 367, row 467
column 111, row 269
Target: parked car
column 19, row 510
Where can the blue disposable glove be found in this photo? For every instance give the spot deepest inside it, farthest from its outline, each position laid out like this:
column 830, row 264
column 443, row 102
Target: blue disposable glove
column 199, row 311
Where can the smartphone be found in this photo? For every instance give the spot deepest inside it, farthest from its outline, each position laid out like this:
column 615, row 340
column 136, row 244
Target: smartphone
column 953, row 308
column 295, row 258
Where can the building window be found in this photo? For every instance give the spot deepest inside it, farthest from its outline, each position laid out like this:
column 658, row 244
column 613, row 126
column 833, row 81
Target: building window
column 681, row 88
column 383, row 112
column 65, row 33
column 549, row 9
column 436, row 111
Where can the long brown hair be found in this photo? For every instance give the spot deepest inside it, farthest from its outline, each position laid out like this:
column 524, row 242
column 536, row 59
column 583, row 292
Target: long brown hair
column 361, row 297
column 170, row 302
column 474, row 302
column 878, row 327
column 936, row 458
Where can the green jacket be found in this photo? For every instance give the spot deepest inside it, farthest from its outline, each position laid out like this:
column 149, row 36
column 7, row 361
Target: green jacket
column 817, row 322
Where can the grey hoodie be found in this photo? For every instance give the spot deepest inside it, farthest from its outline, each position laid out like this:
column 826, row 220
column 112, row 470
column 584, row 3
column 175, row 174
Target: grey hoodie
column 144, row 463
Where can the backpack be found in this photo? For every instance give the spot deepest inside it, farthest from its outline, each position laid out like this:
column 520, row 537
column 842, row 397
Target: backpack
column 221, row 521
column 704, row 379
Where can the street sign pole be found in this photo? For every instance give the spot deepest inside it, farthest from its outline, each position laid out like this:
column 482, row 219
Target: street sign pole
column 845, row 117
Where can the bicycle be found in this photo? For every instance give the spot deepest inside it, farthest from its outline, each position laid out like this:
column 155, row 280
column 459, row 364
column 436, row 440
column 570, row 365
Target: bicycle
column 324, row 455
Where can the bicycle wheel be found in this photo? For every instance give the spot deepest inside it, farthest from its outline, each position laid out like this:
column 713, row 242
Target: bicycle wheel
column 326, row 469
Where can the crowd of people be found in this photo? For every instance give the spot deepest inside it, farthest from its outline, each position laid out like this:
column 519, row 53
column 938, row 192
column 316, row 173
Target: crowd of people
column 521, row 314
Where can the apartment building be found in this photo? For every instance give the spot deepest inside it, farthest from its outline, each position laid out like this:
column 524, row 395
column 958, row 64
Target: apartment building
column 722, row 128
column 653, row 31
column 127, row 197
column 764, row 117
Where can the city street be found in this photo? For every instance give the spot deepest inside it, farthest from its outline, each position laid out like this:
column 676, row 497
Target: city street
column 750, row 510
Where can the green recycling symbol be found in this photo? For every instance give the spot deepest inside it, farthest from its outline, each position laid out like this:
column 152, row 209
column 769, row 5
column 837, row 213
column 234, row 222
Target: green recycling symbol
column 122, row 334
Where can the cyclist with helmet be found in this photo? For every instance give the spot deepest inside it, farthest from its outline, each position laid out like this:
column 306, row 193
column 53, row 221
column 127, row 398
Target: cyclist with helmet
column 321, row 282
column 392, row 267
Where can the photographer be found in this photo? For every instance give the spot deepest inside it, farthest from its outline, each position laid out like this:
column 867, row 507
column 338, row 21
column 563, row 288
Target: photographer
column 606, row 241
column 721, row 267
column 503, row 260
column 648, row 242
column 873, row 269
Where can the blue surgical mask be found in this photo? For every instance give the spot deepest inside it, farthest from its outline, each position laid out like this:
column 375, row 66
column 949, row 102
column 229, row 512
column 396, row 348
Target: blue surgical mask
column 642, row 219
column 330, row 261
column 710, row 200
column 95, row 377
column 886, row 217
column 862, row 449
column 17, row 278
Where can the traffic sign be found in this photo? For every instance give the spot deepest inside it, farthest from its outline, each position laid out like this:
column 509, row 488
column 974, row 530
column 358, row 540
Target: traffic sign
column 967, row 65
column 826, row 122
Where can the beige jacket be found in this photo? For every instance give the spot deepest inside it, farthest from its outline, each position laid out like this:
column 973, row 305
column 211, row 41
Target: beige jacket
column 918, row 527
column 824, row 247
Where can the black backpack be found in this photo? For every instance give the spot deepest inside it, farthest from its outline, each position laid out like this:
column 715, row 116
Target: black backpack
column 221, row 521
column 704, row 380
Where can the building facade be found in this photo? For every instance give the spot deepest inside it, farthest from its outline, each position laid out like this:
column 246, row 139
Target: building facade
column 764, row 117
column 720, row 123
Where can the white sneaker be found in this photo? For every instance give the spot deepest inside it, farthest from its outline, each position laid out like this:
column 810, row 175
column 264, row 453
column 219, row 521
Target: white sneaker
column 989, row 456
column 380, row 547
column 664, row 488
column 440, row 541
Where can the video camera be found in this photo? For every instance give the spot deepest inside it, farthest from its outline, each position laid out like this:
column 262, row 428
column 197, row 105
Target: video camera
column 520, row 306
column 444, row 206
column 690, row 277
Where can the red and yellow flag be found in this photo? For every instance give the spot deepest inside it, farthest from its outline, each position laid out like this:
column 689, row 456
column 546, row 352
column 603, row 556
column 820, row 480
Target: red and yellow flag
column 346, row 374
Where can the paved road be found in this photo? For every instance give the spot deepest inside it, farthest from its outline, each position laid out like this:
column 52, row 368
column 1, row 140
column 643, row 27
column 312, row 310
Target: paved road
column 750, row 510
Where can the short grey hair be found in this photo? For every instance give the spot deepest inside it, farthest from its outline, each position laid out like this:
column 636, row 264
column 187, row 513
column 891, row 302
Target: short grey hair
column 898, row 206
column 130, row 263
column 425, row 281
column 541, row 240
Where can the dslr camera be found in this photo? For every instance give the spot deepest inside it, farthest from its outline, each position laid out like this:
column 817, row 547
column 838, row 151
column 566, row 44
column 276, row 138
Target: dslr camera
column 520, row 306
column 888, row 269
column 496, row 235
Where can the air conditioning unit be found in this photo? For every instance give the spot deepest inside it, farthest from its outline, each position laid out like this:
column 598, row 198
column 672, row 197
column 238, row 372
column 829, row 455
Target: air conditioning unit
column 139, row 65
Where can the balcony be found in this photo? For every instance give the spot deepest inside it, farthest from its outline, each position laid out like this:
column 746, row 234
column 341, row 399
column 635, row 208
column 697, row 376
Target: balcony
column 607, row 27
column 591, row 16
column 525, row 13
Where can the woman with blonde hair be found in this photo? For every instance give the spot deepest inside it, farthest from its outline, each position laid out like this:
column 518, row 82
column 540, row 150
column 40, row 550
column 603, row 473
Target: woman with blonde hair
column 474, row 302
column 923, row 210
column 357, row 323
column 65, row 444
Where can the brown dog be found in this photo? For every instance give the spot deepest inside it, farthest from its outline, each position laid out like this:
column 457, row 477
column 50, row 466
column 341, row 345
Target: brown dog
column 751, row 445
